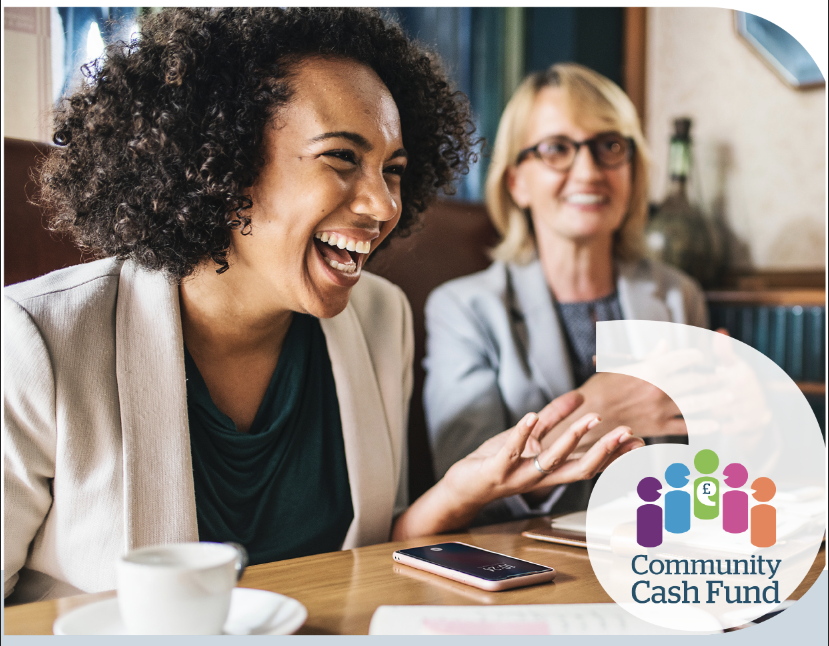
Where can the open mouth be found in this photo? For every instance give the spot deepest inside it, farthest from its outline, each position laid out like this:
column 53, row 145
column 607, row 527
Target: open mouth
column 345, row 255
column 585, row 199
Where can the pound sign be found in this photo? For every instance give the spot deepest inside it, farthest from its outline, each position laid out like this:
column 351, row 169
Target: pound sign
column 705, row 492
column 707, row 498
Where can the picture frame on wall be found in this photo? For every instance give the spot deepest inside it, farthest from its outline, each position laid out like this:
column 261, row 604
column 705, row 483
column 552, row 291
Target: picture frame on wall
column 779, row 50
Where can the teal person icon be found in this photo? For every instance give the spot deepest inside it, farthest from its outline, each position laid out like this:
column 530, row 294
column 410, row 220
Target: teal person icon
column 706, row 488
column 677, row 503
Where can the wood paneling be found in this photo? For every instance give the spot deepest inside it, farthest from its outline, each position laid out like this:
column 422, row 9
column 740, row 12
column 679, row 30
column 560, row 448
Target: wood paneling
column 786, row 297
column 633, row 69
column 452, row 241
column 29, row 249
column 758, row 280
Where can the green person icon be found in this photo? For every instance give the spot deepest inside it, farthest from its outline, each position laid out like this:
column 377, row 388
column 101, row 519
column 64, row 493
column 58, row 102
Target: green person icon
column 706, row 489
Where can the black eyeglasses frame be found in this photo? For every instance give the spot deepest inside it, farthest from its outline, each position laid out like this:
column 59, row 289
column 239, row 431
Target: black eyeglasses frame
column 533, row 150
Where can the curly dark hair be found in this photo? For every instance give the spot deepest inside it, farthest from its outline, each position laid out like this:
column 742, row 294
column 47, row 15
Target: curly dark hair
column 158, row 147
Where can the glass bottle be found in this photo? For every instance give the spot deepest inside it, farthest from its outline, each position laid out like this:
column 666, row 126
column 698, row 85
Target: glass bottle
column 678, row 233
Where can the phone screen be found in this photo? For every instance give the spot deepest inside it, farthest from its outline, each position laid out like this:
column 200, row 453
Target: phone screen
column 476, row 562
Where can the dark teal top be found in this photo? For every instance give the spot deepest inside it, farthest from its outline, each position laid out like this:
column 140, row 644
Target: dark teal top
column 281, row 489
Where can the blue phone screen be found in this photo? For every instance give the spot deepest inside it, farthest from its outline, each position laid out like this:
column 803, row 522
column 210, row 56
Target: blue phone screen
column 471, row 560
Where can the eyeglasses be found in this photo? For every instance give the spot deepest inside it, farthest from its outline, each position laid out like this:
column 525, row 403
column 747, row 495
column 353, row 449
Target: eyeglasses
column 609, row 150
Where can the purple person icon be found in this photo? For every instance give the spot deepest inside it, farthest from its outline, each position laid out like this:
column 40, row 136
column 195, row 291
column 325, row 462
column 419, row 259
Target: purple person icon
column 735, row 503
column 649, row 517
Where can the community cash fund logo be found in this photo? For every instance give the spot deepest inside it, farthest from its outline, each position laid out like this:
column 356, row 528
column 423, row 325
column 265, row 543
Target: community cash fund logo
column 735, row 507
column 733, row 515
column 714, row 533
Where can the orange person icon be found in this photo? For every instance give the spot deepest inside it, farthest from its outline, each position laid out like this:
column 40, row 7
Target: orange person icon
column 763, row 517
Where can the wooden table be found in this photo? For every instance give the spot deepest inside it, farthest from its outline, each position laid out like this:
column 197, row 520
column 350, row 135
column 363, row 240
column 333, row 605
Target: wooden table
column 341, row 590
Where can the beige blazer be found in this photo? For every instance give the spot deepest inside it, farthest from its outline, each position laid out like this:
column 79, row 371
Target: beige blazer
column 95, row 437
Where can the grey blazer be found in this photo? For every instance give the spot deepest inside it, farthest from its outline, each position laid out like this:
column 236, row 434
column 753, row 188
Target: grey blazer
column 495, row 349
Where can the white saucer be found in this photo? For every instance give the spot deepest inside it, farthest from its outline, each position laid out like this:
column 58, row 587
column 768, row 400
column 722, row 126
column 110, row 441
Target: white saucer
column 104, row 618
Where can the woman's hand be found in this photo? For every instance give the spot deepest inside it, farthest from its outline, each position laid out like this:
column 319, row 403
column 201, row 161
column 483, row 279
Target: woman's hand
column 510, row 463
column 505, row 465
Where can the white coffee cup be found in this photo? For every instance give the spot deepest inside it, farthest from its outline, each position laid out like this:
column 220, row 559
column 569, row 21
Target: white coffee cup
column 178, row 589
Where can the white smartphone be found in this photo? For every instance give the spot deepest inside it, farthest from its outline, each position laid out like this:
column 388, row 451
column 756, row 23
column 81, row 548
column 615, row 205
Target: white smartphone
column 475, row 566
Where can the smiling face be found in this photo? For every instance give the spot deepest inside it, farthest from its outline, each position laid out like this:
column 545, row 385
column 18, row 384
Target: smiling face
column 329, row 192
column 587, row 202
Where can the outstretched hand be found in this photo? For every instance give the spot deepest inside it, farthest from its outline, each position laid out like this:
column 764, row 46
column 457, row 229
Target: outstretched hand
column 513, row 462
column 506, row 465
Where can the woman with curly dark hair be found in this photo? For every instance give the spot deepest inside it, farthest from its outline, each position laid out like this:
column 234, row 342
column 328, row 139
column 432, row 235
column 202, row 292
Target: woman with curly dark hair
column 226, row 371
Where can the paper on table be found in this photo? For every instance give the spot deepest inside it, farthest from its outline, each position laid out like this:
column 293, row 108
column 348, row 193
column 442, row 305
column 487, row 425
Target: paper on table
column 575, row 522
column 558, row 619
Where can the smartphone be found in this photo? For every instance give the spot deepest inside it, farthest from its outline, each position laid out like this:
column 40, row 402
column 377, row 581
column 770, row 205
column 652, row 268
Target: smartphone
column 475, row 566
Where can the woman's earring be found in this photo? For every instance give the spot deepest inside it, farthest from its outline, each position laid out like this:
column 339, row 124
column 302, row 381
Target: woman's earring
column 62, row 138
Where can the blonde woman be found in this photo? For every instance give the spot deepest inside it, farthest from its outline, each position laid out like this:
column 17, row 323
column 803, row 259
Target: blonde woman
column 567, row 191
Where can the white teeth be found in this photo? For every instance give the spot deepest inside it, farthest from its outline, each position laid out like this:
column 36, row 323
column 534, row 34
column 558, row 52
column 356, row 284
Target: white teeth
column 585, row 198
column 350, row 268
column 344, row 243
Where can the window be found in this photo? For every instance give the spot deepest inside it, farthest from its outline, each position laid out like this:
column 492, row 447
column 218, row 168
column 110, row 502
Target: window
column 79, row 36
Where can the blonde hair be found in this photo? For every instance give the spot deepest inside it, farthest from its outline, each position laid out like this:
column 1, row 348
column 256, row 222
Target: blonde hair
column 589, row 93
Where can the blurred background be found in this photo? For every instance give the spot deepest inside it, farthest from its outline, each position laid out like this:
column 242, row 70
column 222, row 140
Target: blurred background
column 754, row 98
column 757, row 141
